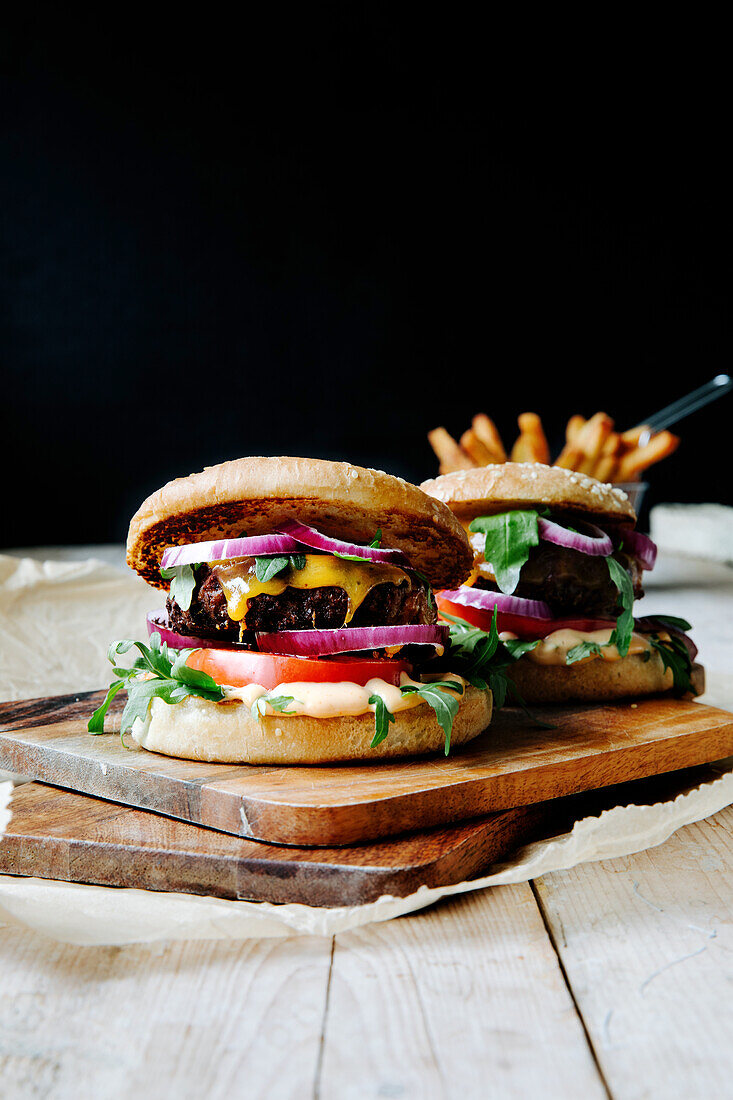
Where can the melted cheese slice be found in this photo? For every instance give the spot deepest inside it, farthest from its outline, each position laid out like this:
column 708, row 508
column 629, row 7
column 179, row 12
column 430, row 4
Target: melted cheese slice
column 240, row 585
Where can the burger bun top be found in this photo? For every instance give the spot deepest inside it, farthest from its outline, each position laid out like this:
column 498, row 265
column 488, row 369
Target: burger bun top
column 253, row 496
column 503, row 487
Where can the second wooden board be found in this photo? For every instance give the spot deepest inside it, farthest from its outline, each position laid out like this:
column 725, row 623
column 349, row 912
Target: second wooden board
column 515, row 763
column 74, row 838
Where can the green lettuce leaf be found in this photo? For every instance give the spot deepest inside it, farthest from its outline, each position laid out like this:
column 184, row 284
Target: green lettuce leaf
column 270, row 566
column 673, row 622
column 581, row 651
column 676, row 656
column 279, row 703
column 158, row 672
column 182, row 584
column 382, row 718
column 621, row 636
column 441, row 698
column 509, row 538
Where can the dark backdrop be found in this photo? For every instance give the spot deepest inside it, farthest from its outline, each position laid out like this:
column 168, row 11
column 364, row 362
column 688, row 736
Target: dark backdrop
column 325, row 236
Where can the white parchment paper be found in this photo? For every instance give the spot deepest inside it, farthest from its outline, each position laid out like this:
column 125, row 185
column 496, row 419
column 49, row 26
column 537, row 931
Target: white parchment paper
column 85, row 604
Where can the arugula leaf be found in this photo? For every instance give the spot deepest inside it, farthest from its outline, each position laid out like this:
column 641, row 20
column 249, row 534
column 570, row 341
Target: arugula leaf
column 444, row 704
column 382, row 718
column 675, row 655
column 183, row 583
column 517, row 647
column 277, row 702
column 158, row 672
column 349, row 557
column 483, row 660
column 621, row 636
column 673, row 622
column 373, row 545
column 582, row 650
column 96, row 722
column 509, row 539
column 268, row 567
column 473, row 652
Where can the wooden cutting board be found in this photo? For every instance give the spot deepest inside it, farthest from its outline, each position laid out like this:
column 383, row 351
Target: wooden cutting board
column 72, row 837
column 514, row 763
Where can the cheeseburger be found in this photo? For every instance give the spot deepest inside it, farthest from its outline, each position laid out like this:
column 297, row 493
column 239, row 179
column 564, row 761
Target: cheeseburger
column 299, row 622
column 557, row 566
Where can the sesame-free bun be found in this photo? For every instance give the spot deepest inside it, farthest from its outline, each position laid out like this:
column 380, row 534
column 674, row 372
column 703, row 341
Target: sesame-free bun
column 590, row 681
column 505, row 486
column 227, row 733
column 255, row 495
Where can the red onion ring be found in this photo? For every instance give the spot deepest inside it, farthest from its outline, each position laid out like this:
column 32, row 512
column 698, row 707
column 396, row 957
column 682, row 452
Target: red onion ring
column 597, row 545
column 320, row 643
column 641, row 546
column 157, row 622
column 223, row 549
column 487, row 601
column 308, row 536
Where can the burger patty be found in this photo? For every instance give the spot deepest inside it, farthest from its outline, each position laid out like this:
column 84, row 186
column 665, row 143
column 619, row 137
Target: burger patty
column 296, row 609
column 573, row 584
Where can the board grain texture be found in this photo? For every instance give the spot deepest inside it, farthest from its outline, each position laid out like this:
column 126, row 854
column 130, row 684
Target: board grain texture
column 514, row 763
column 72, row 837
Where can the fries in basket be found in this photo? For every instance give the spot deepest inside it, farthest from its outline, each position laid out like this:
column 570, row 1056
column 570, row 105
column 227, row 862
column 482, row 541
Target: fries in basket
column 591, row 447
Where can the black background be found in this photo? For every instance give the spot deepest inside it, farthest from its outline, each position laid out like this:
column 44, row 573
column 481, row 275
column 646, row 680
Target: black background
column 324, row 235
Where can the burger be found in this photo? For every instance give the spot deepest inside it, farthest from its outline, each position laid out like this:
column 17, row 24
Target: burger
column 299, row 623
column 557, row 567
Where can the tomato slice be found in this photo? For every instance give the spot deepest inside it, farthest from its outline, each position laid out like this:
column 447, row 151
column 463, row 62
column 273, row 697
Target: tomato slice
column 524, row 626
column 239, row 667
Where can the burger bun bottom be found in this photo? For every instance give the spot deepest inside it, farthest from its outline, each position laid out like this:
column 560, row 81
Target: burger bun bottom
column 227, row 733
column 591, row 681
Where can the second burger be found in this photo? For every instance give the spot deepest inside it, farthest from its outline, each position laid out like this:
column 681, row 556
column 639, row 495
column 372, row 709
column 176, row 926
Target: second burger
column 557, row 568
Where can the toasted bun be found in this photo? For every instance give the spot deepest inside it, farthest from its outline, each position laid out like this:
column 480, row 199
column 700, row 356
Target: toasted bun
column 226, row 733
column 341, row 500
column 590, row 681
column 486, row 490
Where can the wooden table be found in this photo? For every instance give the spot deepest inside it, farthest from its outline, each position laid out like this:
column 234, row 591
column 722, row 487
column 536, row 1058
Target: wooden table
column 612, row 979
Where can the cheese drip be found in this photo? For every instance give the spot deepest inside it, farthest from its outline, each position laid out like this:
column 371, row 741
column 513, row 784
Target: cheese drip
column 240, row 585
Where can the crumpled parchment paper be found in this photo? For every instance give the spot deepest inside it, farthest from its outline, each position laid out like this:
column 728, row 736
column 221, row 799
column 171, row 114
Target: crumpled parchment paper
column 83, row 605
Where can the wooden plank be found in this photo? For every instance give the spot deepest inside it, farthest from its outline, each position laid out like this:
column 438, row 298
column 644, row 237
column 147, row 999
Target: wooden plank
column 193, row 1019
column 514, row 763
column 647, row 944
column 75, row 838
column 466, row 999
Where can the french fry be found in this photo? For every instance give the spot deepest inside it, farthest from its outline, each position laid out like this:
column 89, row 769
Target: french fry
column 632, row 436
column 574, row 425
column 592, row 447
column 570, row 457
column 591, row 439
column 477, row 449
column 531, row 444
column 450, row 454
column 658, row 447
column 582, row 451
column 487, row 432
column 609, row 457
